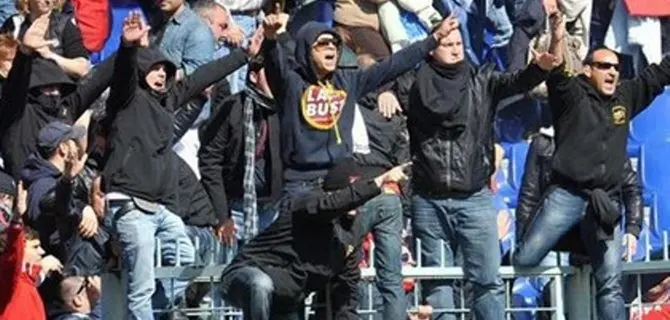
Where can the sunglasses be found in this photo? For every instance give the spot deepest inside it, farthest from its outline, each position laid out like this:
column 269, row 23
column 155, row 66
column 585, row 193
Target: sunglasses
column 84, row 285
column 605, row 65
column 326, row 42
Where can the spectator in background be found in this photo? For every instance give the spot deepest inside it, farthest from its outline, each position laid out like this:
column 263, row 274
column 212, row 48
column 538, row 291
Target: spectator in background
column 357, row 23
column 68, row 51
column 58, row 159
column 76, row 298
column 383, row 215
column 316, row 100
column 7, row 193
column 8, row 47
column 182, row 37
column 37, row 92
column 7, row 9
column 451, row 199
column 241, row 160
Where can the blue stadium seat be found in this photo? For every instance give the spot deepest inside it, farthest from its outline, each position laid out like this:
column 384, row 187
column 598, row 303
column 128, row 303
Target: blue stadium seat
column 633, row 147
column 517, row 158
column 654, row 123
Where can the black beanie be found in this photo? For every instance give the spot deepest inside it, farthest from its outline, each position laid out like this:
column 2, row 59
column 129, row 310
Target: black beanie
column 7, row 184
column 341, row 174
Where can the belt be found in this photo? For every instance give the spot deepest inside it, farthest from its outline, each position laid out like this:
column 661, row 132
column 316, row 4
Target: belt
column 249, row 12
column 127, row 207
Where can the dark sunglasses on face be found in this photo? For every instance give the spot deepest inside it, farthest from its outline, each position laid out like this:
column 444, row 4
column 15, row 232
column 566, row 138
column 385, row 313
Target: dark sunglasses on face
column 326, row 42
column 84, row 285
column 605, row 65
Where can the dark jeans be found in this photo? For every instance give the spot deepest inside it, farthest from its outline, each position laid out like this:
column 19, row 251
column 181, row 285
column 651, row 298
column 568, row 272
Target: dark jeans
column 251, row 289
column 383, row 217
column 561, row 211
column 466, row 224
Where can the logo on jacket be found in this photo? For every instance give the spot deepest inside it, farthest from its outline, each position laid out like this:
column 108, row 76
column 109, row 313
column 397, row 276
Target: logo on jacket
column 619, row 115
column 322, row 106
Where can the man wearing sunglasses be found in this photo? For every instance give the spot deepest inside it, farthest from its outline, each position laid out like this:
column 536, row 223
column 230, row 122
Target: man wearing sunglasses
column 591, row 114
column 316, row 100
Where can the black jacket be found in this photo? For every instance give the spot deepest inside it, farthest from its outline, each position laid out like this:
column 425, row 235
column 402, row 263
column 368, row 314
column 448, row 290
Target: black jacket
column 306, row 247
column 221, row 155
column 537, row 179
column 140, row 162
column 194, row 206
column 24, row 110
column 446, row 163
column 592, row 130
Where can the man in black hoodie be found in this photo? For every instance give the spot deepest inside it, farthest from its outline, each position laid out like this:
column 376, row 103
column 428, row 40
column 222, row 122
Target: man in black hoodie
column 140, row 172
column 316, row 100
column 591, row 114
column 451, row 110
column 311, row 244
column 37, row 92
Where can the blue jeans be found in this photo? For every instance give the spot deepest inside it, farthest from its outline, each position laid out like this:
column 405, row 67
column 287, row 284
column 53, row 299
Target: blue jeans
column 136, row 231
column 466, row 224
column 296, row 188
column 251, row 289
column 383, row 217
column 561, row 211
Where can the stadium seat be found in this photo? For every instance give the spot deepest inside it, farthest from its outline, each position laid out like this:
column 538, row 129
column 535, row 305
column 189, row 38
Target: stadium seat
column 654, row 173
column 517, row 158
column 506, row 191
column 653, row 124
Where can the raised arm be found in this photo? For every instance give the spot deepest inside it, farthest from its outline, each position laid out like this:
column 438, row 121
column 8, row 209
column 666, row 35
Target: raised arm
column 277, row 64
column 643, row 89
column 125, row 77
column 15, row 89
column 92, row 86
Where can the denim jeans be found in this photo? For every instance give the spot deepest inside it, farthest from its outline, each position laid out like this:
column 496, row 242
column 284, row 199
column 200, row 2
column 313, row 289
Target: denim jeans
column 561, row 211
column 136, row 232
column 469, row 225
column 295, row 188
column 251, row 289
column 383, row 217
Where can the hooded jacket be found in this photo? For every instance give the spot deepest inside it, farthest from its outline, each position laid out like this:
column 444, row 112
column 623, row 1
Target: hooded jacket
column 40, row 178
column 536, row 183
column 24, row 110
column 140, row 162
column 317, row 115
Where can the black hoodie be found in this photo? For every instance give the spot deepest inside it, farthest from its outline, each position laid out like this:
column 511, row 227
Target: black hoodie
column 140, row 162
column 24, row 110
column 317, row 118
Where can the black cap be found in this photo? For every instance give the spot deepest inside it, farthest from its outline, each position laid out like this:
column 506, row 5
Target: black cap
column 7, row 184
column 342, row 174
column 55, row 133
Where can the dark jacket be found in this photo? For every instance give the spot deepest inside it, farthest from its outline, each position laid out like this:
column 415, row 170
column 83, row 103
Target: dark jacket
column 221, row 155
column 140, row 162
column 537, row 180
column 448, row 163
column 194, row 206
column 592, row 130
column 303, row 249
column 41, row 177
column 316, row 119
column 24, row 110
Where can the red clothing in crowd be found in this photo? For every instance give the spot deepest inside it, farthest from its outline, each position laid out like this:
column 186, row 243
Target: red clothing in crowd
column 21, row 301
column 648, row 8
column 662, row 314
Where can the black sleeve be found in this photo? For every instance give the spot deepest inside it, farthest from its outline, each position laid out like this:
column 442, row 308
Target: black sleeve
column 278, row 66
column 632, row 199
column 207, row 75
column 185, row 116
column 124, row 80
column 344, row 288
column 58, row 200
column 15, row 89
column 508, row 84
column 530, row 192
column 403, row 86
column 211, row 159
column 92, row 86
column 72, row 43
column 326, row 206
column 644, row 88
column 564, row 92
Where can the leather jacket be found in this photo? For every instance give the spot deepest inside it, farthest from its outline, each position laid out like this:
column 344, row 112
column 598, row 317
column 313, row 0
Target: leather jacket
column 537, row 178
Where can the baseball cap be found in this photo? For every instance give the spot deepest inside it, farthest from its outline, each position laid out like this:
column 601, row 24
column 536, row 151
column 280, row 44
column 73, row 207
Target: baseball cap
column 55, row 133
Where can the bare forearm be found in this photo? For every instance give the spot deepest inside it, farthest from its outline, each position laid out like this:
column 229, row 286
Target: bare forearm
column 77, row 67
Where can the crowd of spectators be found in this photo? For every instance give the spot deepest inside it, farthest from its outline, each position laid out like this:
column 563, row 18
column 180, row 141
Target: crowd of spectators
column 114, row 133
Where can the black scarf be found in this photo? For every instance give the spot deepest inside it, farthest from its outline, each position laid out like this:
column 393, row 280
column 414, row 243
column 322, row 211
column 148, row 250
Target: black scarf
column 441, row 91
column 259, row 98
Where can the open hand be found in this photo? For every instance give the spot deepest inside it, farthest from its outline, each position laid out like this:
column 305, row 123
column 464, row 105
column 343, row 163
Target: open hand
column 545, row 60
column 234, row 36
column 397, row 174
column 88, row 227
column 388, row 104
column 34, row 36
column 448, row 25
column 50, row 264
column 135, row 31
column 275, row 23
column 226, row 232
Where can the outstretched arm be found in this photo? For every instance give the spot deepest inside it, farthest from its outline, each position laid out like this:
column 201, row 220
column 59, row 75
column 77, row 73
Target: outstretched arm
column 644, row 88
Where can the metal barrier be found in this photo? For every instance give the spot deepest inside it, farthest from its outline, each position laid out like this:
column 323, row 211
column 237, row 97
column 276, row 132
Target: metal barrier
column 572, row 289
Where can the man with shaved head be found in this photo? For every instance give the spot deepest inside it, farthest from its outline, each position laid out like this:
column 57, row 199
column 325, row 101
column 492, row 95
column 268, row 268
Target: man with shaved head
column 591, row 115
column 77, row 297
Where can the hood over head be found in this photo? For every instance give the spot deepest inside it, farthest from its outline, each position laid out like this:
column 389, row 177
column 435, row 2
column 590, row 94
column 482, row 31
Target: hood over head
column 149, row 57
column 37, row 168
column 304, row 40
column 48, row 73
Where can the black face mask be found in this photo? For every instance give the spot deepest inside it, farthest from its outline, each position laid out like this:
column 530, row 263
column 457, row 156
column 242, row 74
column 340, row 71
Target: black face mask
column 52, row 105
